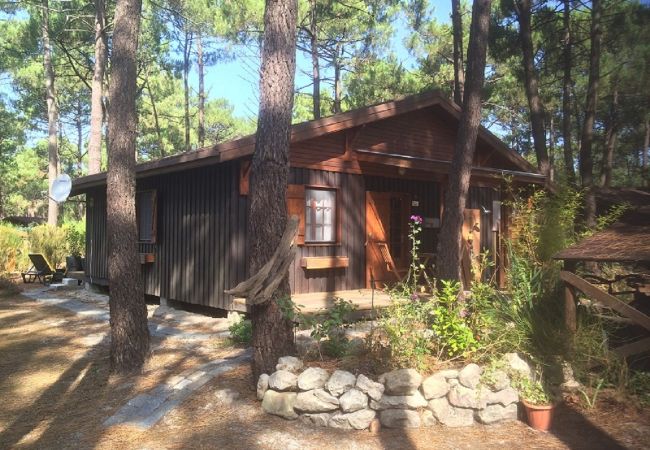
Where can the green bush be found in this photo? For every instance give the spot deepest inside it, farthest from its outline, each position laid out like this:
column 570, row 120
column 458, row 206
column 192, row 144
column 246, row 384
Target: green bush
column 13, row 249
column 451, row 331
column 328, row 328
column 403, row 337
column 51, row 242
column 241, row 332
column 75, row 237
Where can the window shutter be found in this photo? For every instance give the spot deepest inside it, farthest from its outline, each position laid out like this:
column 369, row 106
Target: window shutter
column 296, row 207
column 146, row 215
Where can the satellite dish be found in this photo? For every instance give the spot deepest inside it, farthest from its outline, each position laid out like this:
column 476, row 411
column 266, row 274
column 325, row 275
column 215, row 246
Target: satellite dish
column 61, row 188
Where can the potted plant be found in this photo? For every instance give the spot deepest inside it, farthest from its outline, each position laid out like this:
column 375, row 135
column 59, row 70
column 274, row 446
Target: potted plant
column 539, row 402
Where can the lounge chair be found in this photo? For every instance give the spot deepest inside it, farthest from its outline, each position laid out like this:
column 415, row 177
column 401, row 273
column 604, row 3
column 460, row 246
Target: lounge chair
column 41, row 270
column 394, row 273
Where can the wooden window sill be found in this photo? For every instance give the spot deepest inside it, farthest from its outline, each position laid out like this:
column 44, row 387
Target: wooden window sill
column 324, row 262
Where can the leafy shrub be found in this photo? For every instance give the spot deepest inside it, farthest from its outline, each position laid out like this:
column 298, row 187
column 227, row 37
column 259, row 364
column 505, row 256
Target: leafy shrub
column 328, row 328
column 75, row 237
column 533, row 390
column 13, row 252
column 404, row 338
column 241, row 331
column 450, row 328
column 50, row 241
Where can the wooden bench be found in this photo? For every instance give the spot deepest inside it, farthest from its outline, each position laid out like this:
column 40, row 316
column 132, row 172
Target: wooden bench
column 324, row 262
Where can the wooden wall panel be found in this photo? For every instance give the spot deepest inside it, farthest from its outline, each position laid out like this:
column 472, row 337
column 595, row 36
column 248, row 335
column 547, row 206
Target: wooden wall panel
column 427, row 133
column 201, row 248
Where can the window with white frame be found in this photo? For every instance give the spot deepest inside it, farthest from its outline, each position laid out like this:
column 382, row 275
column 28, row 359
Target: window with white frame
column 320, row 215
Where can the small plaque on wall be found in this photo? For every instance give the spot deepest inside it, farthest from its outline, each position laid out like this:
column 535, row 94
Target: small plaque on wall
column 431, row 222
column 415, row 203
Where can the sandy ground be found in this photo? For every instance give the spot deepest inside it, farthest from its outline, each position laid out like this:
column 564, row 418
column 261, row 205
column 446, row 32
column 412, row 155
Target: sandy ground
column 56, row 392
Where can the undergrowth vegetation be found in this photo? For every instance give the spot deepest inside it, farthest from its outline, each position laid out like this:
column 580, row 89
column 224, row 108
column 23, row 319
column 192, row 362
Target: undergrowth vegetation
column 16, row 243
column 426, row 327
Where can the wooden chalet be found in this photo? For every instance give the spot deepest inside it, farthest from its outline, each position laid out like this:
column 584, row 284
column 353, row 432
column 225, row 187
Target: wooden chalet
column 355, row 180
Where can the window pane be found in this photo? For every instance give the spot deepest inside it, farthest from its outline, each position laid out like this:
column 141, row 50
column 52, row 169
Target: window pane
column 145, row 210
column 320, row 215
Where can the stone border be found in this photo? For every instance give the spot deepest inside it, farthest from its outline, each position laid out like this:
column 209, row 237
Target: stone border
column 398, row 399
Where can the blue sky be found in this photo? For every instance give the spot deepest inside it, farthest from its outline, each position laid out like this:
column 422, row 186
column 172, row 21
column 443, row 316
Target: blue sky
column 237, row 80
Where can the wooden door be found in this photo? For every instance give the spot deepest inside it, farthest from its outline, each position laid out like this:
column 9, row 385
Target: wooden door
column 387, row 216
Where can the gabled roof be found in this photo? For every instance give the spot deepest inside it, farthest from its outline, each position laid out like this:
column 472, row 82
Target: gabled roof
column 245, row 146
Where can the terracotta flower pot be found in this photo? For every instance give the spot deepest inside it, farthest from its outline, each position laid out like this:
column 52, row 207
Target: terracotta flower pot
column 540, row 417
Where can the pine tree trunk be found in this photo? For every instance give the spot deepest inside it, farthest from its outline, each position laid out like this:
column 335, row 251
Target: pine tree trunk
column 337, row 81
column 186, row 86
column 199, row 49
column 566, row 96
column 449, row 246
column 97, row 91
column 586, row 157
column 272, row 332
column 524, row 16
column 315, row 66
column 52, row 116
column 644, row 155
column 611, row 135
column 459, row 71
column 551, row 148
column 129, row 332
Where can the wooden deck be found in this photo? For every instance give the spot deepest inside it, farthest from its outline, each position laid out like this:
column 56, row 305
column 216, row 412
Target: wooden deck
column 362, row 298
column 313, row 303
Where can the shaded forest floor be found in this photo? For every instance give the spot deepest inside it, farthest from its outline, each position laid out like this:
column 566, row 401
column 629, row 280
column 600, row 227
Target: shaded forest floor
column 56, row 392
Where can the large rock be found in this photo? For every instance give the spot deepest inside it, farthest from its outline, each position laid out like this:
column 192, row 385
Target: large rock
column 358, row 420
column 401, row 381
column 319, row 420
column 414, row 401
column 505, row 397
column 283, row 380
column 353, row 400
column 316, row 401
column 517, row 364
column 449, row 415
column 340, row 382
column 497, row 413
column 280, row 404
column 313, row 378
column 448, row 373
column 499, row 380
column 289, row 363
column 435, row 386
column 372, row 388
column 400, row 418
column 468, row 398
column 428, row 420
column 262, row 386
column 470, row 376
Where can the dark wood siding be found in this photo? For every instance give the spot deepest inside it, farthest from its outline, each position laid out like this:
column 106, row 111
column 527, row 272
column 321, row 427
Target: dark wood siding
column 201, row 236
column 201, row 245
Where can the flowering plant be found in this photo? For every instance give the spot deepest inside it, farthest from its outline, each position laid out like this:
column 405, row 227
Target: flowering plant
column 415, row 228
